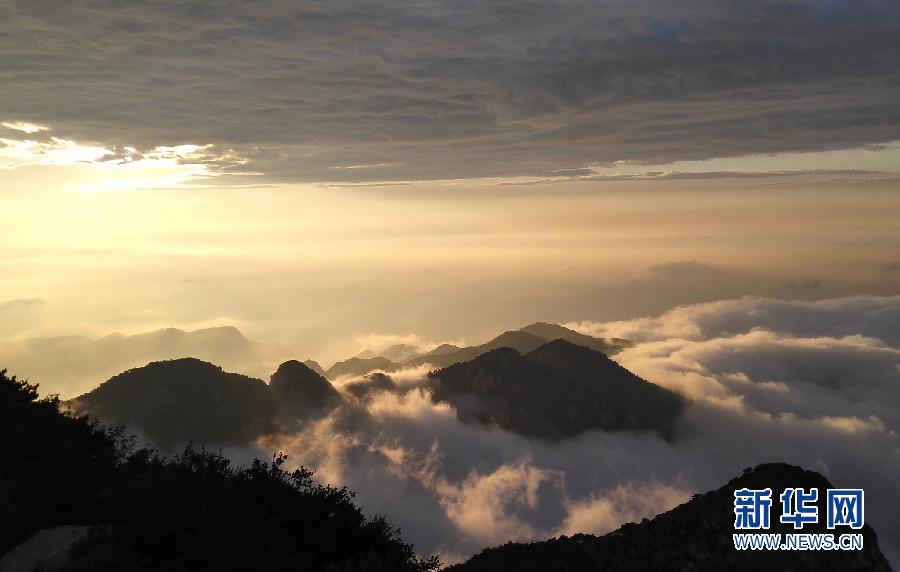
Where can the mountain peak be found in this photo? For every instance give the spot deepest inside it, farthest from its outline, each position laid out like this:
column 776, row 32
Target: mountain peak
column 183, row 364
column 300, row 391
column 183, row 400
column 560, row 345
column 550, row 331
column 515, row 339
column 293, row 367
column 557, row 390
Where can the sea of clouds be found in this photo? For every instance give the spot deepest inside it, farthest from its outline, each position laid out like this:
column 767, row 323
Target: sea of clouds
column 815, row 384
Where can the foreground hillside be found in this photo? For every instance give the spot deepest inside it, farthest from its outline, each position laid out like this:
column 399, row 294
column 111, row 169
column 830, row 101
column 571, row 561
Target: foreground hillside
column 694, row 536
column 139, row 511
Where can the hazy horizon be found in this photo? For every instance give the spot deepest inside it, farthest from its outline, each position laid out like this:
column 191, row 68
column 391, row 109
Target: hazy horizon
column 315, row 268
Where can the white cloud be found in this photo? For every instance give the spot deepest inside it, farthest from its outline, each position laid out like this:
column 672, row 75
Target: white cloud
column 53, row 151
column 757, row 395
column 626, row 503
column 24, row 127
column 120, row 169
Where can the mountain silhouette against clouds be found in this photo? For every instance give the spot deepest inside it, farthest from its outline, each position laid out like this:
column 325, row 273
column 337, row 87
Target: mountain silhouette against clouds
column 174, row 402
column 301, row 392
column 557, row 390
column 516, row 381
column 522, row 342
column 609, row 346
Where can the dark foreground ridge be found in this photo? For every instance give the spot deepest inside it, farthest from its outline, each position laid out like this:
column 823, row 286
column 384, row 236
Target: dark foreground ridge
column 64, row 477
column 695, row 536
column 557, row 390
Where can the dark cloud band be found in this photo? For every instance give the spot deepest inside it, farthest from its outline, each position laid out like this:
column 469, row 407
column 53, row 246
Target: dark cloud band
column 438, row 90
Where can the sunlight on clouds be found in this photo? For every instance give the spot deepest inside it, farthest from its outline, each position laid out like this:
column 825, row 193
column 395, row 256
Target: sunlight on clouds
column 854, row 425
column 24, row 127
column 55, row 151
column 157, row 170
column 628, row 502
column 117, row 169
column 416, row 404
column 484, row 506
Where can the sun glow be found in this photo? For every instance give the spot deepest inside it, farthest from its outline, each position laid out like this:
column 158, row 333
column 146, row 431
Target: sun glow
column 125, row 168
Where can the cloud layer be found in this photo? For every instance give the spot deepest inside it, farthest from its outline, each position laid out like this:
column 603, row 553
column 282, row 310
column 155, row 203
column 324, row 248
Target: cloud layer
column 373, row 91
column 808, row 383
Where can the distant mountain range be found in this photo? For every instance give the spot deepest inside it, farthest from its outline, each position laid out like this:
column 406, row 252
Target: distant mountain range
column 71, row 365
column 357, row 366
column 557, row 390
column 694, row 536
column 74, row 364
column 523, row 341
column 518, row 382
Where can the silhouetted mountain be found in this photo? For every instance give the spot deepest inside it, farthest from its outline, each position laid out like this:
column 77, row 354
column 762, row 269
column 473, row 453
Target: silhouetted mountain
column 555, row 391
column 522, row 342
column 137, row 511
column 300, row 392
column 360, row 366
column 173, row 402
column 696, row 535
column 609, row 346
column 314, row 365
column 189, row 400
column 76, row 363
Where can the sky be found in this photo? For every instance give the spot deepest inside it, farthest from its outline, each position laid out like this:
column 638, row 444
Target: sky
column 718, row 181
column 315, row 173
